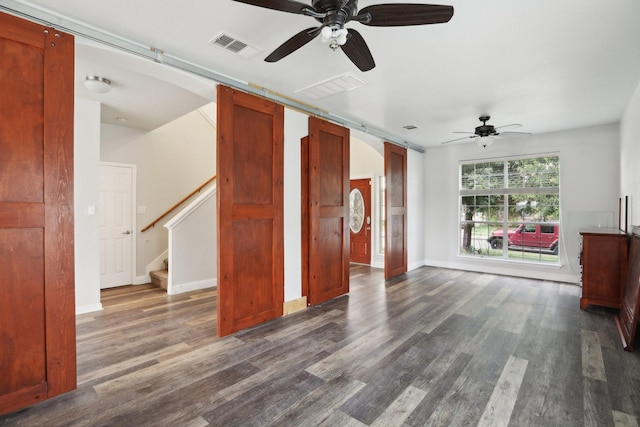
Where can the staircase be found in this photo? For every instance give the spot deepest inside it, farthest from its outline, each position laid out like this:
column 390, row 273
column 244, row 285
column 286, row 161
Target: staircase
column 160, row 278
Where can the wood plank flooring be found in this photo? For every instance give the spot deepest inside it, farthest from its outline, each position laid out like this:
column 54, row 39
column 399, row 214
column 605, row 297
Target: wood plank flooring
column 434, row 347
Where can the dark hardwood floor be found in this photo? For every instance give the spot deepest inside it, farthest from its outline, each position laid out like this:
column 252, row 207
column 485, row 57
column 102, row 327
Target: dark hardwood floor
column 432, row 347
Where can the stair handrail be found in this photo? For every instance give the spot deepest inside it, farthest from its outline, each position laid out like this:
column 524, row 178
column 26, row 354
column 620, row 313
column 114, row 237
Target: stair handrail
column 171, row 209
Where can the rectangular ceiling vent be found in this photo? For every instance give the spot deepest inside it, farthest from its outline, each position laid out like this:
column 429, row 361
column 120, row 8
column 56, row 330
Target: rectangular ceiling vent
column 342, row 83
column 232, row 44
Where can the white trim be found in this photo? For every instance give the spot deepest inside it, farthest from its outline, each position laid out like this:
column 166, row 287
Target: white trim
column 192, row 286
column 507, row 270
column 88, row 308
column 134, row 210
column 415, row 265
column 142, row 280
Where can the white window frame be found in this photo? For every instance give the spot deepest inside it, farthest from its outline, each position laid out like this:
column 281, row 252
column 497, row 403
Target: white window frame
column 506, row 192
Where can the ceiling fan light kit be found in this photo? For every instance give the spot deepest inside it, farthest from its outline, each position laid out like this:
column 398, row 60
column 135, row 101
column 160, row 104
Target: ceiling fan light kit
column 485, row 141
column 334, row 14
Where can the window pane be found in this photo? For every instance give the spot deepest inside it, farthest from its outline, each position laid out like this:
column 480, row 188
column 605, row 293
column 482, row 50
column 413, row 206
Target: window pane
column 540, row 172
column 534, row 207
column 482, row 176
column 534, row 241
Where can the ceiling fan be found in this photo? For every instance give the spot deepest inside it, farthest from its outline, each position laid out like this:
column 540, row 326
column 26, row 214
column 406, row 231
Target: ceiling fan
column 486, row 133
column 334, row 14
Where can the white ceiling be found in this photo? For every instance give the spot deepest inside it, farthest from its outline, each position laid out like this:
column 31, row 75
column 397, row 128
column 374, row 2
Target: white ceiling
column 549, row 65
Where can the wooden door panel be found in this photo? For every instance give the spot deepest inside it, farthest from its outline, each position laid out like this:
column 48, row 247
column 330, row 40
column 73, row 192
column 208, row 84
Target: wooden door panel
column 250, row 168
column 252, row 263
column 21, row 165
column 37, row 308
column 328, row 211
column 395, row 260
column 22, row 359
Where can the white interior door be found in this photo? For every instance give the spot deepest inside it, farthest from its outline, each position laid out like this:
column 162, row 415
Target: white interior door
column 116, row 232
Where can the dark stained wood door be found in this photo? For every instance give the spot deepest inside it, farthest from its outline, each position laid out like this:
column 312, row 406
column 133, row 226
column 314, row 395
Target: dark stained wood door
column 360, row 221
column 250, row 168
column 395, row 170
column 328, row 211
column 37, row 308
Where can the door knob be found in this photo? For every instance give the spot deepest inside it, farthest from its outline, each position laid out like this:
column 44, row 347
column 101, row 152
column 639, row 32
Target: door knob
column 126, row 232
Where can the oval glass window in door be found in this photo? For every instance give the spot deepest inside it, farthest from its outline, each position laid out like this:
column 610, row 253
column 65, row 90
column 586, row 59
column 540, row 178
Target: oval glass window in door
column 356, row 210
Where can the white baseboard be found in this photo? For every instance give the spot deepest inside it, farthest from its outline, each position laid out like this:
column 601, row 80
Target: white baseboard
column 141, row 280
column 415, row 265
column 192, row 286
column 88, row 308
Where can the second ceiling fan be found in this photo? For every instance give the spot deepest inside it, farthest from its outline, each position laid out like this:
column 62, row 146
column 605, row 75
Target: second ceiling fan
column 485, row 133
column 334, row 14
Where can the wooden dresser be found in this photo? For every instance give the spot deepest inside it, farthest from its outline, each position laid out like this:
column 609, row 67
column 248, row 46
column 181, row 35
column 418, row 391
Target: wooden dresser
column 603, row 261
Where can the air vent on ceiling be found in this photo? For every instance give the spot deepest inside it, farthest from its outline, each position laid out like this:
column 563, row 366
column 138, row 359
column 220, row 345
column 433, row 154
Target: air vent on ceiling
column 232, row 44
column 342, row 83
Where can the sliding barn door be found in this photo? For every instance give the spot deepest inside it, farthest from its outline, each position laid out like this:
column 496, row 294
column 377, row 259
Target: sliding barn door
column 328, row 211
column 37, row 308
column 250, row 152
column 395, row 170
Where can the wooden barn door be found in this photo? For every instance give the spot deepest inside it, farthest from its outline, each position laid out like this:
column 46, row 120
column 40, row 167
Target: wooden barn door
column 395, row 170
column 250, row 169
column 328, row 272
column 37, row 308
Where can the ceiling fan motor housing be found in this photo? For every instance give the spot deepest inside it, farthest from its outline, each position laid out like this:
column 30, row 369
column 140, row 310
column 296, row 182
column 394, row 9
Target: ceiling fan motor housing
column 485, row 129
column 335, row 18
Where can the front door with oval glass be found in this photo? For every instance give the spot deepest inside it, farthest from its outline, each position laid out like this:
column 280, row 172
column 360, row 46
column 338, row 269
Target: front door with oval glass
column 360, row 221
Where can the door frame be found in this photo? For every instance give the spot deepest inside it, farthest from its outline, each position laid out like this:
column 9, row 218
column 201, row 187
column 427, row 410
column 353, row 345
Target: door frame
column 134, row 227
column 372, row 209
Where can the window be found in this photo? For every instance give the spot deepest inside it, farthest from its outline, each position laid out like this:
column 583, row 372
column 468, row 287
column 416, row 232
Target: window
column 510, row 208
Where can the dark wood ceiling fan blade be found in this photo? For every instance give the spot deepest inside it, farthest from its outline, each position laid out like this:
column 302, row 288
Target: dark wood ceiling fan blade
column 281, row 5
column 358, row 51
column 401, row 14
column 293, row 44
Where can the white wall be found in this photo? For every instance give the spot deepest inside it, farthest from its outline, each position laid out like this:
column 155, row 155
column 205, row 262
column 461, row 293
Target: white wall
column 86, row 153
column 415, row 209
column 172, row 161
column 629, row 156
column 296, row 126
column 365, row 161
column 589, row 180
column 193, row 245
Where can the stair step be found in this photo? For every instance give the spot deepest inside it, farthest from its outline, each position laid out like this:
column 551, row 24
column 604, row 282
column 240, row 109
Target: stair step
column 160, row 278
